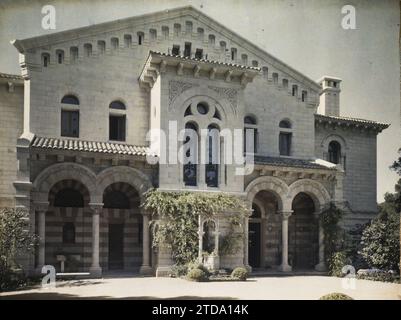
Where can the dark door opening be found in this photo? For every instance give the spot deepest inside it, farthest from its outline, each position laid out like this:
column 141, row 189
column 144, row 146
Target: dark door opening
column 254, row 244
column 116, row 246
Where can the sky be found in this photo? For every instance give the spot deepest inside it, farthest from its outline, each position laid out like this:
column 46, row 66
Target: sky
column 306, row 34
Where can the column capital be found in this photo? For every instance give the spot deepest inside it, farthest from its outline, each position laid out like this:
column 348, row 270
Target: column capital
column 41, row 205
column 285, row 214
column 96, row 207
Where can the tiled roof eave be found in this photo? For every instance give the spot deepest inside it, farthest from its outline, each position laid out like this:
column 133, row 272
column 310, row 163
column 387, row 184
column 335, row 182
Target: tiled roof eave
column 77, row 145
column 319, row 118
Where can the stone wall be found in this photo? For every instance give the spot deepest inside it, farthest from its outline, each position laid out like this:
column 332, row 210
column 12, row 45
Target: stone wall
column 11, row 119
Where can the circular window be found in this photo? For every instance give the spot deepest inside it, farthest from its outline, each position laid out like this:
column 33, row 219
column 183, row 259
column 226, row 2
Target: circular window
column 202, row 108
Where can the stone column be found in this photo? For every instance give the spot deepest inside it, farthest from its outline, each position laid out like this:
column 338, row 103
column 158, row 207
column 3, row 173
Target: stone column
column 145, row 269
column 41, row 209
column 285, row 267
column 200, row 237
column 95, row 269
column 321, row 266
column 246, row 244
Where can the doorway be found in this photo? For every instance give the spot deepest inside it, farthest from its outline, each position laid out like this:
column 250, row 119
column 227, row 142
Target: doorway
column 116, row 246
column 254, row 244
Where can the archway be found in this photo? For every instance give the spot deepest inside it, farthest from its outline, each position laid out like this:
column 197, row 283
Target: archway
column 264, row 231
column 121, row 228
column 303, row 229
column 65, row 226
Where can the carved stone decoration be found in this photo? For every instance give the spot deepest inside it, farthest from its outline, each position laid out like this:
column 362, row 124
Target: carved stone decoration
column 176, row 88
column 229, row 93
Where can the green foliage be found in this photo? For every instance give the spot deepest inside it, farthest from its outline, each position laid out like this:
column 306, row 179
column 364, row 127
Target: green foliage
column 336, row 296
column 197, row 275
column 231, row 242
column 381, row 244
column 379, row 275
column 239, row 273
column 337, row 261
column 200, row 266
column 178, row 214
column 15, row 240
column 334, row 235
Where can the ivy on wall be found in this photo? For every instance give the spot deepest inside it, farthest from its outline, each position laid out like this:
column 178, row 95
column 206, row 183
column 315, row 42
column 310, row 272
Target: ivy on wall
column 177, row 224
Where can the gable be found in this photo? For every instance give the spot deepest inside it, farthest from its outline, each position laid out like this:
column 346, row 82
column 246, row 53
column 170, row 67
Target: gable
column 155, row 24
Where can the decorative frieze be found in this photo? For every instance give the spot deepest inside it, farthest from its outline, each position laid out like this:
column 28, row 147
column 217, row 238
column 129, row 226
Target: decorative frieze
column 176, row 88
column 230, row 94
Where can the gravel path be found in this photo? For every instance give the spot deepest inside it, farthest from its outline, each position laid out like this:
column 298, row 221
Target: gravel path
column 294, row 287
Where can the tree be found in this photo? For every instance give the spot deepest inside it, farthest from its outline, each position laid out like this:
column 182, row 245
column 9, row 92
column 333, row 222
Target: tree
column 381, row 238
column 15, row 240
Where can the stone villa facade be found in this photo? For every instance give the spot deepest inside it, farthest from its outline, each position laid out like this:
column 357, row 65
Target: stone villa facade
column 74, row 143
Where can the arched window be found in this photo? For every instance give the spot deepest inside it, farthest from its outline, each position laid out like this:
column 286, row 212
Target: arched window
column 73, row 54
column 115, row 199
column 244, row 59
column 285, row 83
column 294, row 90
column 127, row 40
column 60, row 56
column 117, row 122
column 213, row 159
column 233, row 54
column 165, row 32
column 201, row 34
column 255, row 63
column 223, row 46
column 265, row 72
column 153, row 34
column 101, row 46
column 69, row 197
column 285, row 138
column 177, row 29
column 191, row 154
column 304, row 95
column 141, row 37
column 68, row 233
column 334, row 152
column 212, row 39
column 70, row 99
column 45, row 59
column 117, row 105
column 88, row 49
column 70, row 118
column 114, row 43
column 250, row 135
column 202, row 108
column 188, row 27
column 285, row 124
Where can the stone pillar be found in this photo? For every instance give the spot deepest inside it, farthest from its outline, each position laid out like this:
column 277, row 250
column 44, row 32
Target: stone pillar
column 41, row 209
column 321, row 266
column 285, row 267
column 95, row 269
column 145, row 269
column 246, row 244
column 200, row 237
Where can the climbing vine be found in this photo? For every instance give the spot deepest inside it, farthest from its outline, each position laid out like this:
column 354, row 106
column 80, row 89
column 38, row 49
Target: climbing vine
column 334, row 235
column 177, row 218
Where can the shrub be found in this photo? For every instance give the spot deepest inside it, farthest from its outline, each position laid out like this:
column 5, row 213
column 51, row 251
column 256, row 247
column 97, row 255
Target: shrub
column 240, row 273
column 179, row 270
column 377, row 275
column 336, row 296
column 337, row 262
column 197, row 265
column 380, row 244
column 15, row 240
column 197, row 275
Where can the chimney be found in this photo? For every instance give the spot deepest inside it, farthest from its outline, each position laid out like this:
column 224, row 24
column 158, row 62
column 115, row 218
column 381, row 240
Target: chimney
column 330, row 96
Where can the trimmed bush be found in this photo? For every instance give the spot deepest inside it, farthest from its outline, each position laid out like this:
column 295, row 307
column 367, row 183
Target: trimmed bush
column 337, row 262
column 200, row 266
column 239, row 273
column 336, row 296
column 197, row 275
